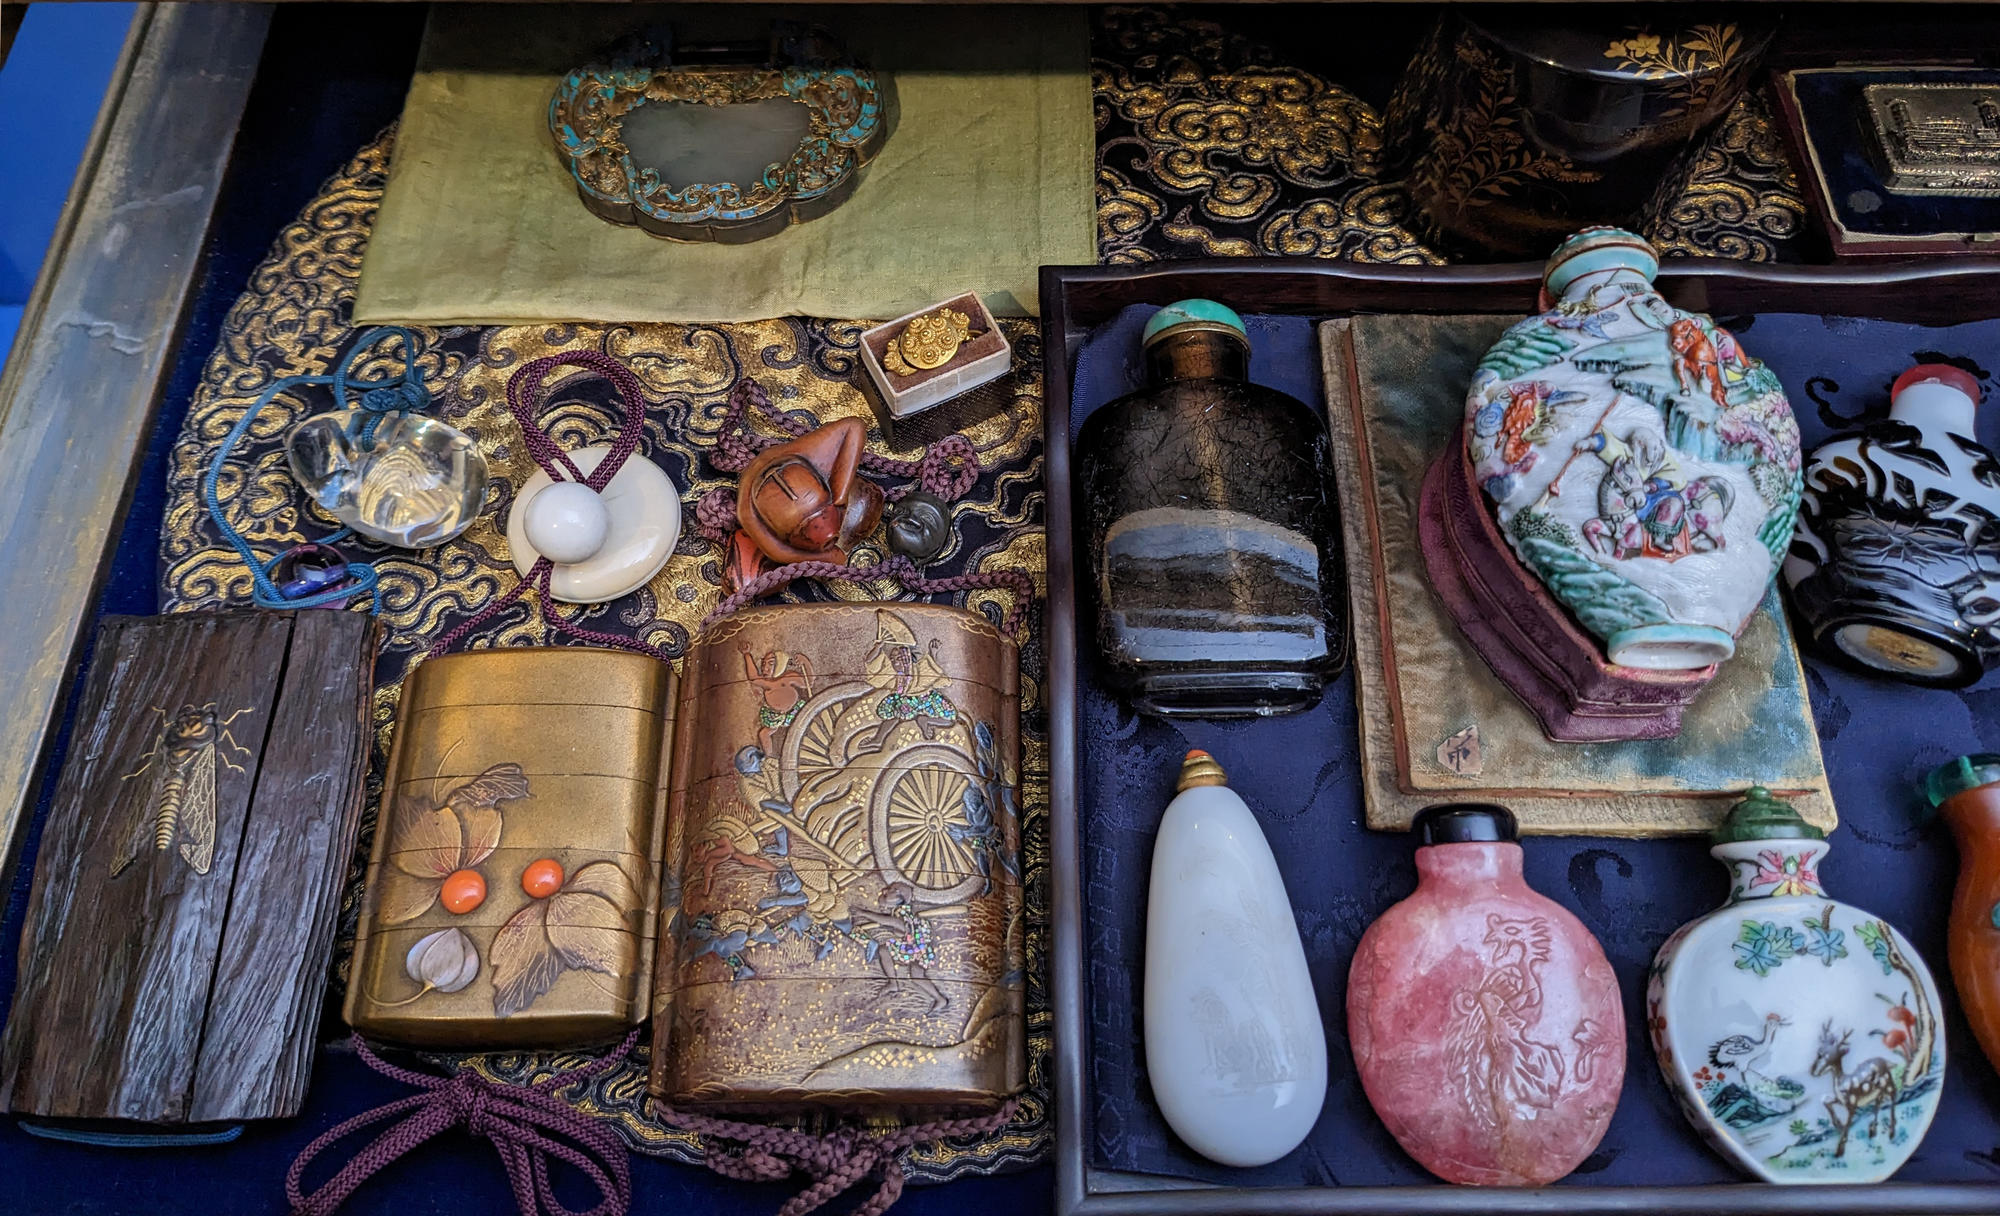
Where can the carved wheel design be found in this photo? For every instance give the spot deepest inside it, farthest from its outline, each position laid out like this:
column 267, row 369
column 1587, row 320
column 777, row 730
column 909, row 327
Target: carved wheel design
column 913, row 812
column 811, row 746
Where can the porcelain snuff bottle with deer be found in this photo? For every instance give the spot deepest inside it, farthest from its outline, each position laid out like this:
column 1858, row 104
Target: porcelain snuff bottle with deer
column 1800, row 1035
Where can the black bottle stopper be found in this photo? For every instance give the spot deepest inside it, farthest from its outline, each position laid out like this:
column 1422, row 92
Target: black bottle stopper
column 1465, row 822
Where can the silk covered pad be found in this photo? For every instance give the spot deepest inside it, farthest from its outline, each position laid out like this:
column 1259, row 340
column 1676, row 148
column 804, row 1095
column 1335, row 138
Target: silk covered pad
column 986, row 175
column 1397, row 385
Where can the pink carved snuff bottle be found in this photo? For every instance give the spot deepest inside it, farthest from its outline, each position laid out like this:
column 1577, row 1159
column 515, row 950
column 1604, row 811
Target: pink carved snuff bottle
column 1485, row 1020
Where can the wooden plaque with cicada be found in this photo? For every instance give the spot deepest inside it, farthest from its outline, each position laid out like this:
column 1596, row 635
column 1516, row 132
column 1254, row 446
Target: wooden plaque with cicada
column 175, row 955
column 842, row 917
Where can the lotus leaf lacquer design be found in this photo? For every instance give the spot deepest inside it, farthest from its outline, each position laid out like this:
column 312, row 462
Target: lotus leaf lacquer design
column 597, row 108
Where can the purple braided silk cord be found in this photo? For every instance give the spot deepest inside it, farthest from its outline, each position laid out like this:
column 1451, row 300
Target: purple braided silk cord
column 836, row 1161
column 947, row 469
column 527, row 1125
column 900, row 568
column 524, row 400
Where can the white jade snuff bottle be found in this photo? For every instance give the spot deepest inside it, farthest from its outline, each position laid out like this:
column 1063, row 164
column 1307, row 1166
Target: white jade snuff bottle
column 1235, row 1047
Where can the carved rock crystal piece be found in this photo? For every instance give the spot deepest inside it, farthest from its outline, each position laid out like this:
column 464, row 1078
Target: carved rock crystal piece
column 1485, row 1020
column 1235, row 1048
column 413, row 482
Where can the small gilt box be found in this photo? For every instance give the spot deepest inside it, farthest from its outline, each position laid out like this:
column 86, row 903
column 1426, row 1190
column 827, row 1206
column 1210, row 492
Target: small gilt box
column 842, row 919
column 1936, row 137
column 935, row 370
column 511, row 896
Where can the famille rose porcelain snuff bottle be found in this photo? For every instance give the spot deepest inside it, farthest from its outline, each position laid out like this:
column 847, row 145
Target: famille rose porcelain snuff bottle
column 1641, row 465
column 1966, row 792
column 1799, row 1034
column 1235, row 1048
column 1209, row 520
column 1895, row 567
column 1485, row 1019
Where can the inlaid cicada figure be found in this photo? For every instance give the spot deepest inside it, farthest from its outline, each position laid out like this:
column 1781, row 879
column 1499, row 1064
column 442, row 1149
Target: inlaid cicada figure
column 182, row 806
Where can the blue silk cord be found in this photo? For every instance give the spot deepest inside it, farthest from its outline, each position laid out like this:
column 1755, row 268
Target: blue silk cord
column 403, row 393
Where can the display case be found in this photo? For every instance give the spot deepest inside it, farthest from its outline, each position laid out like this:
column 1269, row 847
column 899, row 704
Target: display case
column 1101, row 825
column 223, row 118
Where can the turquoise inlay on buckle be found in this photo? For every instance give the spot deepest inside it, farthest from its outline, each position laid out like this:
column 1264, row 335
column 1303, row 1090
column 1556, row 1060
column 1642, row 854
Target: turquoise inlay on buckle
column 846, row 103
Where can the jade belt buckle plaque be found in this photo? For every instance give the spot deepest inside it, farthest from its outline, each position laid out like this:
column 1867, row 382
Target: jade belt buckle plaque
column 727, row 142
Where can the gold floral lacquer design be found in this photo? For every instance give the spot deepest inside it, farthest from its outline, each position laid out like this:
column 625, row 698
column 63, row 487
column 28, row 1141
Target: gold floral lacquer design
column 1700, row 58
column 1458, row 129
column 510, row 892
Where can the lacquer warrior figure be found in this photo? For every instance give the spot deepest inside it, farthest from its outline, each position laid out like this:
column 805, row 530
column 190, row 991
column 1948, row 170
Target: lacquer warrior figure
column 785, row 681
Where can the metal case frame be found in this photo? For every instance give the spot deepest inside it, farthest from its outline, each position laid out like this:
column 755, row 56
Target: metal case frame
column 96, row 345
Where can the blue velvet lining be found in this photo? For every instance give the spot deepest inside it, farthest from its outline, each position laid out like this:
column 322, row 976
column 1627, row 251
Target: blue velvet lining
column 1300, row 775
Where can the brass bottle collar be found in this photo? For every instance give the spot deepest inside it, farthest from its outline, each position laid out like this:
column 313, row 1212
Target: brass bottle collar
column 1200, row 768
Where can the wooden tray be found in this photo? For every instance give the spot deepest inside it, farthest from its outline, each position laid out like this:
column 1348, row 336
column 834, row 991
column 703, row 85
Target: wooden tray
column 1075, row 299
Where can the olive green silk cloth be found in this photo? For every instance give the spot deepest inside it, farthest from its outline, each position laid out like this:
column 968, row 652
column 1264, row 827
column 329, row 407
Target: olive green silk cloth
column 986, row 175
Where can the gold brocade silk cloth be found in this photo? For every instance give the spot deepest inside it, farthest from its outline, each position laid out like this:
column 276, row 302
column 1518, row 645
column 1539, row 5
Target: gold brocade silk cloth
column 294, row 319
column 1205, row 147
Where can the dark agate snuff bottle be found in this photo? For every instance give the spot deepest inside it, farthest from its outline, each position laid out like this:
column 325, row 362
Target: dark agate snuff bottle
column 1208, row 508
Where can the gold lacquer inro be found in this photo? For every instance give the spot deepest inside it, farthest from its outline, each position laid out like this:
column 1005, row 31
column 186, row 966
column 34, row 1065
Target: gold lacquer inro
column 512, row 892
column 842, row 918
